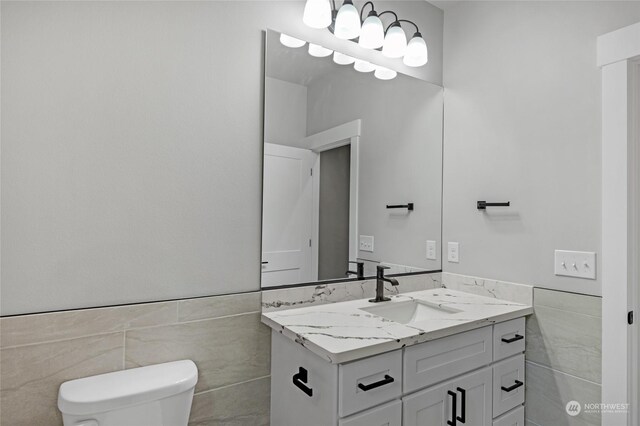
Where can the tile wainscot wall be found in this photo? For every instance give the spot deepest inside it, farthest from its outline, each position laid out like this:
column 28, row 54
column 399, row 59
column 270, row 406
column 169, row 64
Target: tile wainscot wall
column 225, row 338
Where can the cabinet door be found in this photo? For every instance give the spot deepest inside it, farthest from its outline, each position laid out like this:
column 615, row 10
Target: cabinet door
column 474, row 398
column 462, row 401
column 427, row 407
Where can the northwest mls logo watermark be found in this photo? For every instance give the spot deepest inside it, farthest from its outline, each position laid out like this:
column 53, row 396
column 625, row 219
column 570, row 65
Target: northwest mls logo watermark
column 574, row 408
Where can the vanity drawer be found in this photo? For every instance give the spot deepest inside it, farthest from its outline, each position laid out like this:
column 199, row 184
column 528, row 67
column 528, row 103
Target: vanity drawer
column 369, row 382
column 514, row 417
column 508, row 338
column 438, row 360
column 508, row 384
column 385, row 415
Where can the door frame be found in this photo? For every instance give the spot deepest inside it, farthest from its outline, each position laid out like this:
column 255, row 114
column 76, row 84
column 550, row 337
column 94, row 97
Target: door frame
column 617, row 53
column 335, row 137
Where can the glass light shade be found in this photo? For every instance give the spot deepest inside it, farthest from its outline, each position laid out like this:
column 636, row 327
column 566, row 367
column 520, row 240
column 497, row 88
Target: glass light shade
column 289, row 41
column 363, row 66
column 317, row 13
column 347, row 25
column 385, row 73
column 372, row 33
column 319, row 51
column 342, row 59
column 416, row 54
column 395, row 42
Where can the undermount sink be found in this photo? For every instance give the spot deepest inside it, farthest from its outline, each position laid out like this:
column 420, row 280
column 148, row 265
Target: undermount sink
column 410, row 311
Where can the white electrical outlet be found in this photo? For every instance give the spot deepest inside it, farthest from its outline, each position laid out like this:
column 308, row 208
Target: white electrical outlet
column 579, row 264
column 431, row 250
column 453, row 252
column 366, row 243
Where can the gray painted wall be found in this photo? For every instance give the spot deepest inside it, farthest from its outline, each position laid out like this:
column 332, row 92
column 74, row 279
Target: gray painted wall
column 285, row 112
column 400, row 158
column 522, row 123
column 333, row 238
column 131, row 146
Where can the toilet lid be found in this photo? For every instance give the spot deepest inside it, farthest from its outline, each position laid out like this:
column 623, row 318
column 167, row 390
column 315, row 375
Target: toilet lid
column 111, row 391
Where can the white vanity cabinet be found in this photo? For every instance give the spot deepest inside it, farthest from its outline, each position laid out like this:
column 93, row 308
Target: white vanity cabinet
column 473, row 378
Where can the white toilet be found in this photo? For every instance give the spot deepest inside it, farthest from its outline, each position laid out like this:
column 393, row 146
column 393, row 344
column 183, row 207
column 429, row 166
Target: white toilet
column 157, row 395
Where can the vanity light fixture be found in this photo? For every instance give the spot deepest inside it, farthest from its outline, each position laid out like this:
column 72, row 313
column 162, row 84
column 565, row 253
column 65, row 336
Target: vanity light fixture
column 383, row 73
column 319, row 51
column 347, row 24
column 289, row 41
column 317, row 14
column 417, row 54
column 395, row 41
column 363, row 66
column 342, row 59
column 372, row 33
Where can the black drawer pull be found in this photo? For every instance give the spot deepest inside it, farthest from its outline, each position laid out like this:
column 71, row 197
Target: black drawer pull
column 513, row 339
column 299, row 379
column 454, row 409
column 387, row 379
column 463, row 395
column 512, row 387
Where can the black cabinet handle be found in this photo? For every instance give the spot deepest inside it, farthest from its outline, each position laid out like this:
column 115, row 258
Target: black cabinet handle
column 463, row 395
column 512, row 387
column 299, row 379
column 513, row 339
column 387, row 379
column 454, row 410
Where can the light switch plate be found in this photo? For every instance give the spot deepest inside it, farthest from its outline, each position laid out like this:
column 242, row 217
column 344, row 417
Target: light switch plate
column 453, row 252
column 579, row 264
column 431, row 250
column 366, row 243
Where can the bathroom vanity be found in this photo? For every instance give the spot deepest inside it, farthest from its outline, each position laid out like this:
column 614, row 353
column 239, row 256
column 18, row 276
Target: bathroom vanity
column 434, row 357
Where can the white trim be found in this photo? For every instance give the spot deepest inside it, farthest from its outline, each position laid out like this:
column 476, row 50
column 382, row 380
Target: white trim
column 614, row 53
column 614, row 239
column 354, row 197
column 619, row 45
column 333, row 137
column 315, row 218
column 634, row 247
column 344, row 134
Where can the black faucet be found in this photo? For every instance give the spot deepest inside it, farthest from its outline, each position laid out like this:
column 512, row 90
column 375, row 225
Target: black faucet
column 359, row 269
column 380, row 279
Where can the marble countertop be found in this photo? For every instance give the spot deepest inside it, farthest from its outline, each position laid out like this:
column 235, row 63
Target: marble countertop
column 342, row 332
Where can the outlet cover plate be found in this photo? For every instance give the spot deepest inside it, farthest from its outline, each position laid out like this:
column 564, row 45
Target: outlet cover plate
column 431, row 250
column 577, row 264
column 453, row 252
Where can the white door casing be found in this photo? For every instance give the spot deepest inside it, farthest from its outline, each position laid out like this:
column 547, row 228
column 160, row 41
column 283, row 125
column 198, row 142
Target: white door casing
column 616, row 53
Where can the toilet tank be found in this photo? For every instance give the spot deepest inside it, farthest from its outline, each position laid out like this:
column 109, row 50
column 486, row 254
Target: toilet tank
column 156, row 395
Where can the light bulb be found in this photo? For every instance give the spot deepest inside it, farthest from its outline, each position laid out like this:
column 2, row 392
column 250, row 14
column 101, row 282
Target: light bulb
column 363, row 66
column 347, row 25
column 342, row 59
column 383, row 73
column 319, row 51
column 417, row 54
column 372, row 33
column 289, row 41
column 317, row 13
column 395, row 42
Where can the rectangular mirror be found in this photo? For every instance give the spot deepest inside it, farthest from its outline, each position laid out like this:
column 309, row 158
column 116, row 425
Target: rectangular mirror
column 352, row 168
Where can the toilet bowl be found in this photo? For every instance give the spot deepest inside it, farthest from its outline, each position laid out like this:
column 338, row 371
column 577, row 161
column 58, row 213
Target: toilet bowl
column 156, row 395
